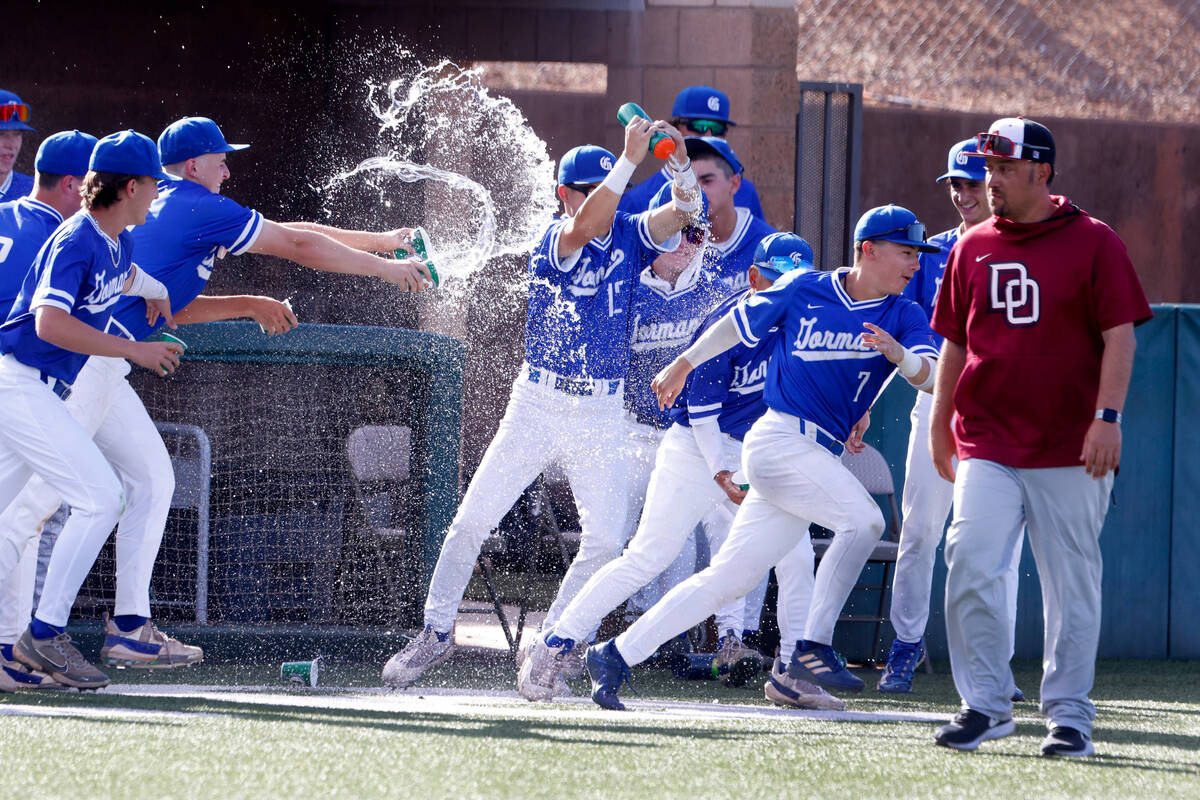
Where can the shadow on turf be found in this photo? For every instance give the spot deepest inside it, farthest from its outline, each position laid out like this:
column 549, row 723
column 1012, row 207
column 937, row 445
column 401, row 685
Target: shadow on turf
column 396, row 722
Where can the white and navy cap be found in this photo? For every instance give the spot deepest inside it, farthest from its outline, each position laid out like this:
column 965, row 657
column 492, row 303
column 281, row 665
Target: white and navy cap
column 1019, row 138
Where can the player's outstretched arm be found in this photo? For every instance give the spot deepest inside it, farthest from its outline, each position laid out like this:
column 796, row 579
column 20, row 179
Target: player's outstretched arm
column 386, row 242
column 1102, row 443
column 941, row 440
column 917, row 370
column 59, row 328
column 318, row 251
column 669, row 381
column 595, row 217
column 274, row 317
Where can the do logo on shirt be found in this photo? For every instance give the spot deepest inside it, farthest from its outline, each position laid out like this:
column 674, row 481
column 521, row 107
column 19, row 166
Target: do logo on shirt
column 1015, row 293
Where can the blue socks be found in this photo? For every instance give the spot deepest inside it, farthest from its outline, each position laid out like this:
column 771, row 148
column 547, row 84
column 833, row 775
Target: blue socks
column 42, row 630
column 127, row 623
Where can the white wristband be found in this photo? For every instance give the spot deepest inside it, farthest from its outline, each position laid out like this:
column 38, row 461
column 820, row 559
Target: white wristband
column 688, row 206
column 685, row 180
column 618, row 177
column 910, row 365
column 145, row 286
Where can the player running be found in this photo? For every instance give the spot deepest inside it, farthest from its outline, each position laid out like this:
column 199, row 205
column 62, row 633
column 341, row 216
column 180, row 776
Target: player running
column 566, row 403
column 841, row 336
column 64, row 305
column 927, row 495
column 692, row 474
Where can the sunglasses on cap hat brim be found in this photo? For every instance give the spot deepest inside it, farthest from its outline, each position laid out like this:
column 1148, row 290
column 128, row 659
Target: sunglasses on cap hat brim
column 914, row 235
column 993, row 144
column 14, row 111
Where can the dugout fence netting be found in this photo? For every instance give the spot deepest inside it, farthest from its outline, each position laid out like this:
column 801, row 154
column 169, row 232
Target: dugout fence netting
column 293, row 533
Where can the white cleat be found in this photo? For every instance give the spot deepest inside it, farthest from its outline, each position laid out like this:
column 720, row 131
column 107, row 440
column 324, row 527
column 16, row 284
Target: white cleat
column 540, row 677
column 784, row 690
column 420, row 655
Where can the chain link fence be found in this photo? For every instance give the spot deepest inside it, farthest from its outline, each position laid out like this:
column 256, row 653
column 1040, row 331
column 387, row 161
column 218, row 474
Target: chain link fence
column 1104, row 59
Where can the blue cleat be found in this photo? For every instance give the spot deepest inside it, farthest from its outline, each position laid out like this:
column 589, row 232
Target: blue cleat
column 821, row 664
column 902, row 661
column 608, row 671
column 1018, row 695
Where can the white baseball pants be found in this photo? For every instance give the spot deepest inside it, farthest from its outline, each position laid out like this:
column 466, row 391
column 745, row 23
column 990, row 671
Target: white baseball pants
column 540, row 426
column 926, row 504
column 1062, row 510
column 793, row 481
column 680, row 494
column 106, row 406
column 39, row 436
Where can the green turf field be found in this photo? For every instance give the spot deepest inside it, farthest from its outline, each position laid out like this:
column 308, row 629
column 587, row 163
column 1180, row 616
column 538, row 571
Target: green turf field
column 237, row 731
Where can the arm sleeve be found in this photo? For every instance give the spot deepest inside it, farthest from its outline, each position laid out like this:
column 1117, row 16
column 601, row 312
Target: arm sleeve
column 1118, row 294
column 708, row 439
column 229, row 225
column 758, row 313
column 716, row 340
column 915, row 333
column 63, row 273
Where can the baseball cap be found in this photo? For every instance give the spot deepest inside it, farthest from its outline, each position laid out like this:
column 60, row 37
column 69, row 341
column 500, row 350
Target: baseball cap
column 893, row 224
column 191, row 137
column 710, row 145
column 1017, row 137
column 782, row 252
column 65, row 153
column 959, row 163
column 127, row 153
column 663, row 196
column 588, row 163
column 702, row 102
column 14, row 113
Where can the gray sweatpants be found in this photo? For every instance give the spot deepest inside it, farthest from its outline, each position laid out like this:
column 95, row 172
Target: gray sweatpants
column 1063, row 510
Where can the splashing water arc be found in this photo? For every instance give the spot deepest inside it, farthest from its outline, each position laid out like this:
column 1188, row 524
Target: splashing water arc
column 489, row 183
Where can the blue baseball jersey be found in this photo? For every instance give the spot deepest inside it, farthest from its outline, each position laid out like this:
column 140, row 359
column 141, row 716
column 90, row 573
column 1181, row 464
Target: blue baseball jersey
column 15, row 186
column 820, row 369
column 927, row 282
column 25, row 225
column 81, row 270
column 579, row 308
column 637, row 199
column 665, row 320
column 730, row 386
column 729, row 260
column 179, row 243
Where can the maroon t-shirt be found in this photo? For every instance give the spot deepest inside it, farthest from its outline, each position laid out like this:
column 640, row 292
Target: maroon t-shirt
column 1029, row 303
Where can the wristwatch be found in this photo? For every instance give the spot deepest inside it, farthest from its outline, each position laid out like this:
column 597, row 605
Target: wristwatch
column 1109, row 415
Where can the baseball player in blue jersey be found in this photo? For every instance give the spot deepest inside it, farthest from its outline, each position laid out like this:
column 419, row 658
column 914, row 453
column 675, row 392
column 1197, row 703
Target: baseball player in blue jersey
column 189, row 226
column 25, row 225
column 698, row 111
column 735, row 231
column 927, row 495
column 692, row 475
column 841, row 336
column 59, row 317
column 566, row 403
column 14, row 118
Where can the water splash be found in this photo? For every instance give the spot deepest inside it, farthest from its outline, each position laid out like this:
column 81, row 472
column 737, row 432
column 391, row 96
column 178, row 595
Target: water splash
column 486, row 184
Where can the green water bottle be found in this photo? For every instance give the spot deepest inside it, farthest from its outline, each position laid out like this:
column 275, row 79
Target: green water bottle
column 660, row 144
column 420, row 243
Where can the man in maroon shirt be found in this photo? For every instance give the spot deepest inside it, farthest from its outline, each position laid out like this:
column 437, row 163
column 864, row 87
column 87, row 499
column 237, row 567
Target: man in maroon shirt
column 1037, row 308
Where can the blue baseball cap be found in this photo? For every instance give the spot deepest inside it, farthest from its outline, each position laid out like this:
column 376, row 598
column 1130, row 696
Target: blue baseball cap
column 127, row 153
column 663, row 196
column 782, row 252
column 959, row 163
column 893, row 224
column 698, row 146
column 702, row 102
column 14, row 112
column 65, row 153
column 587, row 163
column 191, row 137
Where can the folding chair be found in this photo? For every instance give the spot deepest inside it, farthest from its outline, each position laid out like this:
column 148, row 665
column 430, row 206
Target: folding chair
column 191, row 460
column 872, row 471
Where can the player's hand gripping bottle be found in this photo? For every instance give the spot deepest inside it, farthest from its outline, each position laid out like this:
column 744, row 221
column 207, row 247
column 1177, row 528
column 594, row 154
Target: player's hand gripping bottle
column 420, row 243
column 660, row 144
